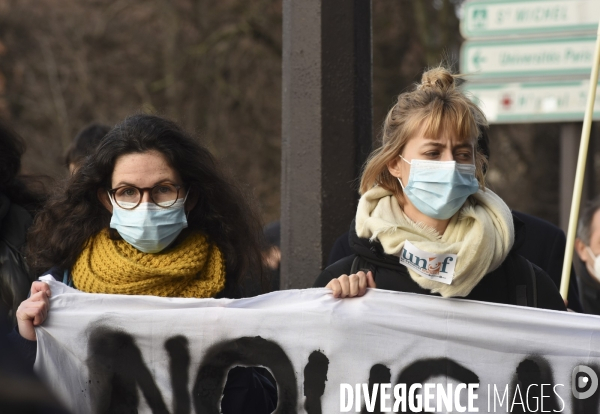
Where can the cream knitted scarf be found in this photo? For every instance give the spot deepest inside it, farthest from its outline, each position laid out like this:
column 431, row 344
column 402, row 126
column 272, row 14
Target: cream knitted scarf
column 481, row 234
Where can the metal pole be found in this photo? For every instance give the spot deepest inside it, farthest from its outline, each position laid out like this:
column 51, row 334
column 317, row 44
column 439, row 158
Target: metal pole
column 326, row 128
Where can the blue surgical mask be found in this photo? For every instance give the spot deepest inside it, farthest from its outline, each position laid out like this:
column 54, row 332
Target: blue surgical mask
column 439, row 189
column 148, row 227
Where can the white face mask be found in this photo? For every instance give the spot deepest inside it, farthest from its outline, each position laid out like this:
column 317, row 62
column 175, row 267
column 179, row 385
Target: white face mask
column 596, row 269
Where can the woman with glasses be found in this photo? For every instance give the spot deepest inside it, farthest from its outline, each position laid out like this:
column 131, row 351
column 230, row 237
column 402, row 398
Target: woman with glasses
column 149, row 213
column 425, row 222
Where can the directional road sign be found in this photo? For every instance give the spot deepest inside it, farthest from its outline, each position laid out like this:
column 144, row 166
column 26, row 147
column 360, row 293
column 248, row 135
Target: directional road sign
column 528, row 58
column 533, row 102
column 485, row 18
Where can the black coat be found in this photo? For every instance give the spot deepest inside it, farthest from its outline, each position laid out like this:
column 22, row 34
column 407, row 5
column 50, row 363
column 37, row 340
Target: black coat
column 589, row 290
column 494, row 287
column 544, row 244
column 15, row 279
column 27, row 393
column 541, row 242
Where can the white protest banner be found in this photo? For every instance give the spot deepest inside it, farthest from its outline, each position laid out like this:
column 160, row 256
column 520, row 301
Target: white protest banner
column 428, row 353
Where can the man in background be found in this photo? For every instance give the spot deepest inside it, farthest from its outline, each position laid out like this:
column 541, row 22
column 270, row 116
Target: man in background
column 587, row 246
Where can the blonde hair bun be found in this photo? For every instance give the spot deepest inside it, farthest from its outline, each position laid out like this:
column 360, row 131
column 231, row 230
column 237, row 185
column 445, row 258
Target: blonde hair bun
column 439, row 78
column 435, row 106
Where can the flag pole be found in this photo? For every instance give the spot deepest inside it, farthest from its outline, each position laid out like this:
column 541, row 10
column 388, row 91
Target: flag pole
column 581, row 160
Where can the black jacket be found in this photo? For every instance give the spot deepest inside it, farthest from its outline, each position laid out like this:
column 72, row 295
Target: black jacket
column 15, row 279
column 497, row 286
column 589, row 290
column 27, row 394
column 542, row 243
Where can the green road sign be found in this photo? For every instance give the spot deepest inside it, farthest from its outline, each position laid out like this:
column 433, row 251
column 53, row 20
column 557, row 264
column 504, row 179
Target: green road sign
column 529, row 102
column 492, row 18
column 527, row 57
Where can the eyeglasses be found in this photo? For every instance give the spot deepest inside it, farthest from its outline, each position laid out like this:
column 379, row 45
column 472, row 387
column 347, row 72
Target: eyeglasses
column 129, row 196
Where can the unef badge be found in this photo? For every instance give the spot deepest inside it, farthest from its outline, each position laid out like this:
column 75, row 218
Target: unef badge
column 432, row 266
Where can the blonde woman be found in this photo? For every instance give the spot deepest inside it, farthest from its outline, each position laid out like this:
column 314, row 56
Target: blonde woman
column 425, row 222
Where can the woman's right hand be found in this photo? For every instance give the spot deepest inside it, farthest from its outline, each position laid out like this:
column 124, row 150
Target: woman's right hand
column 351, row 286
column 34, row 310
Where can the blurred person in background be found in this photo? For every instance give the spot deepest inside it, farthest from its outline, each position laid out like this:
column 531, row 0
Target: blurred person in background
column 272, row 252
column 86, row 141
column 149, row 213
column 587, row 246
column 18, row 204
column 426, row 185
column 21, row 391
column 271, row 258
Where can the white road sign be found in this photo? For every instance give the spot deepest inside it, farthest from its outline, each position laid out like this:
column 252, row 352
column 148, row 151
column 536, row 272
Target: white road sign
column 528, row 58
column 533, row 102
column 486, row 18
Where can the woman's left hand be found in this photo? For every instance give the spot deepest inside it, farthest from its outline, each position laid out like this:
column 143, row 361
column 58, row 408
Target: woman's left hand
column 351, row 286
column 33, row 311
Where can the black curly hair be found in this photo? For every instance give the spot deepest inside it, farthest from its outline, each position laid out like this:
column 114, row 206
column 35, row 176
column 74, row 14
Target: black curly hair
column 222, row 211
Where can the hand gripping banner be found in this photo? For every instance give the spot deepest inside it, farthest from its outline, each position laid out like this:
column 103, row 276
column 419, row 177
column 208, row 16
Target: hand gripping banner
column 384, row 352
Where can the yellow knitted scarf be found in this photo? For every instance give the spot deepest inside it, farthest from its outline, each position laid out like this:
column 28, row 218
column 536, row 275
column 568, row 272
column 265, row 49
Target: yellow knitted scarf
column 193, row 268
